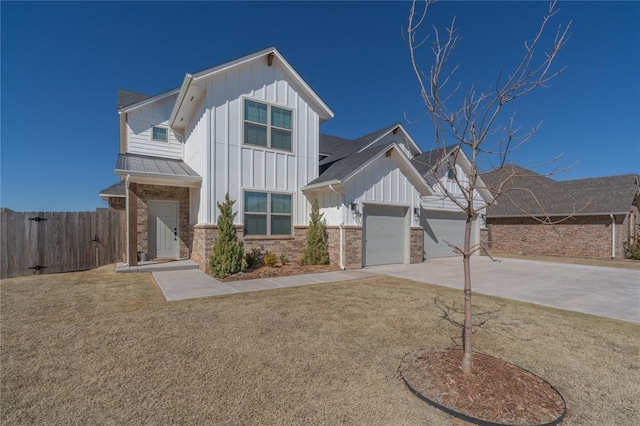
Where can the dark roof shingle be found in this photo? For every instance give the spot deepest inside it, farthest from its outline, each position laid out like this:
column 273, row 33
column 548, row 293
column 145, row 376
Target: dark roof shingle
column 527, row 193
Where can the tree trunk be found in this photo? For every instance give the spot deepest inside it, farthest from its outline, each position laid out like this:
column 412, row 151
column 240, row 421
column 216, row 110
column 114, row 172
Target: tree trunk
column 467, row 359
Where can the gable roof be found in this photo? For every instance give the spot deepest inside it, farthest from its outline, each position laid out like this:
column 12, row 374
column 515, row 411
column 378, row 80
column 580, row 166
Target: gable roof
column 426, row 161
column 361, row 143
column 342, row 170
column 528, row 193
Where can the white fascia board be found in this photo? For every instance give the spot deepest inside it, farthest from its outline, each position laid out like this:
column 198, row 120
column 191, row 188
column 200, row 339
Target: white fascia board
column 404, row 160
column 148, row 101
column 322, row 185
column 186, row 82
column 325, row 112
column 161, row 179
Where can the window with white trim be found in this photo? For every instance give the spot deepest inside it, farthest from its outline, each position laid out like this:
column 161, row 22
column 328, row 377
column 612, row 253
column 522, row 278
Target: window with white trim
column 159, row 133
column 267, row 125
column 267, row 213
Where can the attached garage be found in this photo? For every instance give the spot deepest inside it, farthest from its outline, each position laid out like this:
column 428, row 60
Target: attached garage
column 385, row 235
column 440, row 228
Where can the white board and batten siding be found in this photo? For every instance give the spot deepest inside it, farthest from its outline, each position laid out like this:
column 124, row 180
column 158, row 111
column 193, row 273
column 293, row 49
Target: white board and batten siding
column 234, row 167
column 381, row 182
column 139, row 124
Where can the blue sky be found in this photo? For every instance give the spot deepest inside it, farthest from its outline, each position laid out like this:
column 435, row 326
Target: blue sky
column 62, row 63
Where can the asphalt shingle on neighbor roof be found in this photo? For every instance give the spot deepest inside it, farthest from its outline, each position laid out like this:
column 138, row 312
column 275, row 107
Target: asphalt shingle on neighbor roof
column 127, row 97
column 154, row 165
column 529, row 193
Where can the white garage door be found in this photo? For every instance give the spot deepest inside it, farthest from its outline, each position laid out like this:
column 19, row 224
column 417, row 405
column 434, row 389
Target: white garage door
column 384, row 235
column 439, row 228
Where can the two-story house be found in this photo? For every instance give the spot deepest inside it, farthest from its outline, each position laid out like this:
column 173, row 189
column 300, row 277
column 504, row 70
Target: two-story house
column 251, row 128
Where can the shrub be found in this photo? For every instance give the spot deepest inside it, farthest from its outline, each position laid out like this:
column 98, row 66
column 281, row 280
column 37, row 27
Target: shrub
column 269, row 259
column 283, row 259
column 315, row 251
column 251, row 258
column 226, row 255
column 633, row 250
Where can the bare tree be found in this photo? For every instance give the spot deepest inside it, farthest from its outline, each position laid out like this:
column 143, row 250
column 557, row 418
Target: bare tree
column 477, row 124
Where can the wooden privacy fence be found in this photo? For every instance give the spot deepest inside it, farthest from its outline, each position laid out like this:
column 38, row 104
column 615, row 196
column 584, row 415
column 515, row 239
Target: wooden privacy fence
column 51, row 242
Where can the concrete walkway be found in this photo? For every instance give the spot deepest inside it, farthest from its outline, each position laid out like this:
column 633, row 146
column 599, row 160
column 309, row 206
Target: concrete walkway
column 192, row 283
column 603, row 291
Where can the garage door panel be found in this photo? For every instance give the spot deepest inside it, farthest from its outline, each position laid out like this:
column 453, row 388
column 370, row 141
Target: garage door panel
column 384, row 235
column 440, row 230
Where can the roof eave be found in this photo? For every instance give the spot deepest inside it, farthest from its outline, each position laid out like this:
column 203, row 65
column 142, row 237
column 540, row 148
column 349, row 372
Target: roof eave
column 148, row 101
column 160, row 178
column 321, row 185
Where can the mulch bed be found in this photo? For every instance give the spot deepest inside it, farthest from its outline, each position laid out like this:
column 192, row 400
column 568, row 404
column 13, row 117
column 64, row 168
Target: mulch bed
column 495, row 392
column 280, row 271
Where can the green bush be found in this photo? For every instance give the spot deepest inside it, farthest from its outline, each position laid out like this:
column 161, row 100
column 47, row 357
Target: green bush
column 251, row 258
column 283, row 259
column 270, row 259
column 316, row 251
column 227, row 253
column 633, row 250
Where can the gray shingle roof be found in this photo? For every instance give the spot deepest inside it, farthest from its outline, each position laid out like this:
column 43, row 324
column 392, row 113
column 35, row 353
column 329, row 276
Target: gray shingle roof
column 529, row 193
column 428, row 160
column 154, row 166
column 341, row 169
column 346, row 149
column 329, row 145
column 115, row 190
column 127, row 97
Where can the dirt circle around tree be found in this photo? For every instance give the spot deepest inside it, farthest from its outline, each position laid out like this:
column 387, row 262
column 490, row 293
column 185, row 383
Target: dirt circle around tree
column 494, row 393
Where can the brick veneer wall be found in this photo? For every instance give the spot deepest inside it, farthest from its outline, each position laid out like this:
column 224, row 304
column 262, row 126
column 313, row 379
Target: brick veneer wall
column 581, row 236
column 352, row 246
column 148, row 193
column 416, row 244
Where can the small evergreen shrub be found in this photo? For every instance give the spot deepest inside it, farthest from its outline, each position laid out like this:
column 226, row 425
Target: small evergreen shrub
column 316, row 251
column 251, row 258
column 227, row 253
column 283, row 259
column 270, row 259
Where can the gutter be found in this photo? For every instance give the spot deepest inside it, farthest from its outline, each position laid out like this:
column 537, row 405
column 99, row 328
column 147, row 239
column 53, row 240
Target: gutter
column 126, row 195
column 613, row 236
column 340, row 227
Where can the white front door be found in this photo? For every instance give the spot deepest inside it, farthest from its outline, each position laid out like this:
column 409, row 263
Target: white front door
column 163, row 229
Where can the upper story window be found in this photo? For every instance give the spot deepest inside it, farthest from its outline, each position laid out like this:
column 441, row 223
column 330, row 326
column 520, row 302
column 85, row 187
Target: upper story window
column 159, row 133
column 451, row 173
column 267, row 125
column 267, row 213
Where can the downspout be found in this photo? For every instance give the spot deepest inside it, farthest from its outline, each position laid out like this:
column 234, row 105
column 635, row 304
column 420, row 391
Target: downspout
column 126, row 194
column 613, row 236
column 340, row 227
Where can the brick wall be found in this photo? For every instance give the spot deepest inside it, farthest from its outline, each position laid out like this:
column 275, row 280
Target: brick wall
column 117, row 203
column 581, row 236
column 416, row 244
column 352, row 246
column 147, row 193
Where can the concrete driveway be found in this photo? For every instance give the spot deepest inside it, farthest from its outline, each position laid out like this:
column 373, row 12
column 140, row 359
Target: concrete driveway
column 603, row 291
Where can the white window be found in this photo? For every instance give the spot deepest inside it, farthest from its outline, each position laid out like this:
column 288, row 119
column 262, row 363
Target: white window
column 159, row 133
column 267, row 213
column 267, row 125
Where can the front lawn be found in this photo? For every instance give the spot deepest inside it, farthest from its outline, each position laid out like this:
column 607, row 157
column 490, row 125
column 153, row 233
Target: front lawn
column 97, row 347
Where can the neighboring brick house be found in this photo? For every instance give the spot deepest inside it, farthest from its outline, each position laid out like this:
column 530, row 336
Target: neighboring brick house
column 535, row 214
column 251, row 128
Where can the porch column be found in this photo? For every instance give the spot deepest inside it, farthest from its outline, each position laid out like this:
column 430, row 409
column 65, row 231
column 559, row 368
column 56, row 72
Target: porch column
column 132, row 211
